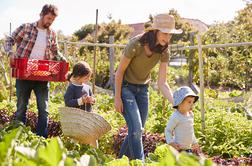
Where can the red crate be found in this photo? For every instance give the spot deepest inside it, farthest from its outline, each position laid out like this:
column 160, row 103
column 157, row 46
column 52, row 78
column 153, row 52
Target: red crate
column 42, row 70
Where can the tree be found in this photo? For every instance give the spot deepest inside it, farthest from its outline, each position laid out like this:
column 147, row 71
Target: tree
column 84, row 31
column 238, row 60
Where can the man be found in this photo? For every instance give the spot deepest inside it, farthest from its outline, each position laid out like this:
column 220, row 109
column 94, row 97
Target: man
column 35, row 41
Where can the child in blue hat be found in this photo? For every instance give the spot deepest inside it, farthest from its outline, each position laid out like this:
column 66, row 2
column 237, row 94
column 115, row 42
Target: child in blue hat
column 179, row 131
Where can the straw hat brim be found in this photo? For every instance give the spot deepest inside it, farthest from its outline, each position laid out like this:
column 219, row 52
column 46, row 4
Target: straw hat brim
column 171, row 31
column 83, row 126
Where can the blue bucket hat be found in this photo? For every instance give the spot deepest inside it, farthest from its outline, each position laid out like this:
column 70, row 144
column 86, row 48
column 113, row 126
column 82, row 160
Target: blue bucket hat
column 181, row 93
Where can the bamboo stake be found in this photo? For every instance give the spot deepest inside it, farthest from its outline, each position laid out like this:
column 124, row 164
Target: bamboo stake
column 201, row 74
column 10, row 74
column 95, row 41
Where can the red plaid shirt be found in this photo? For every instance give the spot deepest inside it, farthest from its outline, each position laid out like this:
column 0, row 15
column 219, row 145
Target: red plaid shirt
column 25, row 37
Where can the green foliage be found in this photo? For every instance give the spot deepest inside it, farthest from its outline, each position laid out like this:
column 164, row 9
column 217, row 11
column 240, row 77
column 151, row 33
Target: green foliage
column 3, row 92
column 7, row 145
column 52, row 149
column 227, row 134
column 159, row 112
column 15, row 145
column 106, row 102
column 166, row 155
column 180, row 24
column 124, row 161
column 117, row 29
column 10, row 106
column 223, row 67
column 84, row 31
column 105, row 107
column 235, row 93
column 212, row 93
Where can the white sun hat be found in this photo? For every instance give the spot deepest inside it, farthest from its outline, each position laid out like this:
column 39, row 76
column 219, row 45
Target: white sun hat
column 181, row 93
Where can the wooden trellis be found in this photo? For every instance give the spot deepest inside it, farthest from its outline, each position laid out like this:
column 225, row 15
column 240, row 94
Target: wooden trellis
column 174, row 47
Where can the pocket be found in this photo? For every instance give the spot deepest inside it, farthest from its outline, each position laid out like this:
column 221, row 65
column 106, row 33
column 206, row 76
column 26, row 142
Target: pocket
column 125, row 84
column 26, row 37
column 25, row 40
column 146, row 89
column 126, row 92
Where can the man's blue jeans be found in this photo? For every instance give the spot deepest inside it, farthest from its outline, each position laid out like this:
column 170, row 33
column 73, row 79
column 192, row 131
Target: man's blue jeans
column 41, row 90
column 135, row 100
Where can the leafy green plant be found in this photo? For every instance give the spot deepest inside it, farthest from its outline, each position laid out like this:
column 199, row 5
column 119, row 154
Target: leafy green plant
column 7, row 145
column 227, row 134
column 235, row 93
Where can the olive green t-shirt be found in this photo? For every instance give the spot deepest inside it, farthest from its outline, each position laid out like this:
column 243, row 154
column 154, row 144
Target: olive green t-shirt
column 139, row 68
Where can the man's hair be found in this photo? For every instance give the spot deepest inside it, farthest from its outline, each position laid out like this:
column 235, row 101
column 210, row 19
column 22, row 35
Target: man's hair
column 48, row 8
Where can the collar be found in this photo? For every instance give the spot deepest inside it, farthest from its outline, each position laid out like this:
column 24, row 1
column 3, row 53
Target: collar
column 35, row 24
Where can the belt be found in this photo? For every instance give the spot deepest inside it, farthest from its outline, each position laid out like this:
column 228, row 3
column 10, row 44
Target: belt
column 138, row 85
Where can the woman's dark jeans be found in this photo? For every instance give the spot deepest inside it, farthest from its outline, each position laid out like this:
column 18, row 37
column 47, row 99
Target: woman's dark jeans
column 135, row 100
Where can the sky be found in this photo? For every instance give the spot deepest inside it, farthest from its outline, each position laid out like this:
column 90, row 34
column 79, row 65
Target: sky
column 73, row 14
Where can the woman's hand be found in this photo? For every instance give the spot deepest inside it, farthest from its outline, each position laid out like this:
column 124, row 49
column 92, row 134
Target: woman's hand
column 162, row 83
column 118, row 104
column 124, row 62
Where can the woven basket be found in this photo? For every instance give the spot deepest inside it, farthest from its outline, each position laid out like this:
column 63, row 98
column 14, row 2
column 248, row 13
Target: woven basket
column 83, row 126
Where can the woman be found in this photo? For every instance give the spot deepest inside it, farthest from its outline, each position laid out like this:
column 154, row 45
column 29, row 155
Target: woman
column 141, row 54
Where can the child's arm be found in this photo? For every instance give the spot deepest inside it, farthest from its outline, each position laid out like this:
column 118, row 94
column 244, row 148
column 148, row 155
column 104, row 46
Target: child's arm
column 175, row 145
column 169, row 132
column 196, row 148
column 90, row 98
column 194, row 139
column 195, row 145
column 69, row 99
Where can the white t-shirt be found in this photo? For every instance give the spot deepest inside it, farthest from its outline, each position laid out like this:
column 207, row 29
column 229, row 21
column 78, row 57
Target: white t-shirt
column 180, row 130
column 38, row 51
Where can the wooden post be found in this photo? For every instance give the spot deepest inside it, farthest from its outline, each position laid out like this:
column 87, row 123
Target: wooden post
column 190, row 61
column 65, row 48
column 95, row 41
column 201, row 84
column 10, row 74
column 4, row 70
column 111, row 62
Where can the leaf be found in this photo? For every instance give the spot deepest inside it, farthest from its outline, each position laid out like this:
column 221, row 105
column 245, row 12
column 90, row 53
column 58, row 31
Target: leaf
column 25, row 161
column 6, row 146
column 136, row 163
column 124, row 161
column 167, row 160
column 87, row 160
column 52, row 154
column 185, row 159
column 69, row 162
column 29, row 152
column 208, row 162
column 165, row 151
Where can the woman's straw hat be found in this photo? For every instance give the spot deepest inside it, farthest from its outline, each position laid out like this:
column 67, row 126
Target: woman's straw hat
column 83, row 126
column 165, row 23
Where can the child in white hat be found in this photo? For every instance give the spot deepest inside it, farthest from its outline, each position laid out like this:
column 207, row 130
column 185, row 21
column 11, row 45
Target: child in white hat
column 179, row 131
